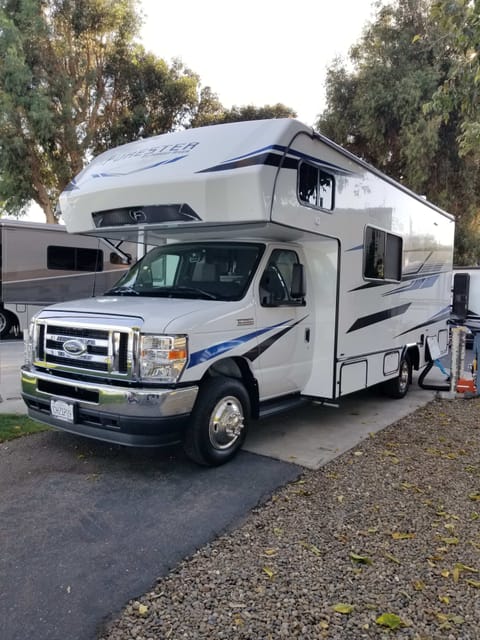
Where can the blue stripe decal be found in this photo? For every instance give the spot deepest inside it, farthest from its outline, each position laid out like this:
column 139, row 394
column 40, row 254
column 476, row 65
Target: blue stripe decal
column 419, row 283
column 444, row 314
column 128, row 173
column 222, row 347
column 262, row 156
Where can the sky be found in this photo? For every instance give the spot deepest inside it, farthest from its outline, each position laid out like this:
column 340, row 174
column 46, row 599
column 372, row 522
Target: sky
column 257, row 51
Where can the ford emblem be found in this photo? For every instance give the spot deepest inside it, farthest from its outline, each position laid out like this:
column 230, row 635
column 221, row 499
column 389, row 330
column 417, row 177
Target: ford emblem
column 74, row 347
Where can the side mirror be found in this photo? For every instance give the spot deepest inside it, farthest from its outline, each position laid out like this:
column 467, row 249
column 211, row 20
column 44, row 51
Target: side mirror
column 298, row 281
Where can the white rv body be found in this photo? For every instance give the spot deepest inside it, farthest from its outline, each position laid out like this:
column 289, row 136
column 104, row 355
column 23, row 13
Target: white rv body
column 375, row 260
column 41, row 264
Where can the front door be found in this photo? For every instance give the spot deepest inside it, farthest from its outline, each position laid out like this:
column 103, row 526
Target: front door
column 285, row 337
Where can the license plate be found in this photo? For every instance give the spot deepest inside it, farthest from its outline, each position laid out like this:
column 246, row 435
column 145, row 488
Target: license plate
column 62, row 410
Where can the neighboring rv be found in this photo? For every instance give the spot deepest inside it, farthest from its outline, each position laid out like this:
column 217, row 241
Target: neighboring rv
column 41, row 264
column 293, row 271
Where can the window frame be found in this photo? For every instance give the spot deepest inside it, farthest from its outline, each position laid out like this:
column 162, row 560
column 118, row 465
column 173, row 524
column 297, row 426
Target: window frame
column 386, row 236
column 319, row 169
column 289, row 302
column 75, row 264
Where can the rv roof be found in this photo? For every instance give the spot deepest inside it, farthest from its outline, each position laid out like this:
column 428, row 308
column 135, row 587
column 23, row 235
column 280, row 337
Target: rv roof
column 191, row 174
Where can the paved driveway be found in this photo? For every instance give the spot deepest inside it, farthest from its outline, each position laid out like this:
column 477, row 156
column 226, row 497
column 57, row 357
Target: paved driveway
column 84, row 526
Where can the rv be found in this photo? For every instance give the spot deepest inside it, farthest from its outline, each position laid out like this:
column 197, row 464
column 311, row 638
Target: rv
column 41, row 264
column 285, row 269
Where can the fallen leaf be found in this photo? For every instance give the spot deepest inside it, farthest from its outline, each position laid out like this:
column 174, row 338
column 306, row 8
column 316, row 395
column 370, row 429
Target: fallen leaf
column 474, row 496
column 142, row 609
column 450, row 540
column 270, row 552
column 311, row 547
column 444, row 599
column 270, row 573
column 392, row 558
column 360, row 559
column 390, row 620
column 473, row 583
column 419, row 585
column 397, row 535
column 341, row 607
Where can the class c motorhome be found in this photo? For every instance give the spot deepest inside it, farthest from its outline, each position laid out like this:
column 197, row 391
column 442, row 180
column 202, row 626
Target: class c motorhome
column 41, row 264
column 285, row 269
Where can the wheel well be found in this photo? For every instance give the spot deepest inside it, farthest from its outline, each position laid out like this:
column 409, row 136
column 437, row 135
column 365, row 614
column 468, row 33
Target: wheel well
column 237, row 368
column 413, row 355
column 10, row 317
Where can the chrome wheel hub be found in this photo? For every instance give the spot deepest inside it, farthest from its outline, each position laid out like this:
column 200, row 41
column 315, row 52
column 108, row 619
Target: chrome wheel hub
column 403, row 378
column 226, row 423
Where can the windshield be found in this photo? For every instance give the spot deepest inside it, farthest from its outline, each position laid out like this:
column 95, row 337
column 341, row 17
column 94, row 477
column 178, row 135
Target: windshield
column 207, row 270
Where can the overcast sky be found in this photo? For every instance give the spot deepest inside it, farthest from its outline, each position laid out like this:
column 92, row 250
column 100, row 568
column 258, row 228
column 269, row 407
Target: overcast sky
column 257, row 51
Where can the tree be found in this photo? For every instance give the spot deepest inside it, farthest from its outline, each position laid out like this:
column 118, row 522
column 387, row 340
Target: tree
column 377, row 110
column 72, row 82
column 214, row 113
column 460, row 20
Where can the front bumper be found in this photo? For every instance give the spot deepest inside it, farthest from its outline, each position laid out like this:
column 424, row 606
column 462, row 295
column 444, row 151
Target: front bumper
column 120, row 415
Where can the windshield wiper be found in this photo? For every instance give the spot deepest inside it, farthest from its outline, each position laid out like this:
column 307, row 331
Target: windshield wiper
column 122, row 291
column 171, row 291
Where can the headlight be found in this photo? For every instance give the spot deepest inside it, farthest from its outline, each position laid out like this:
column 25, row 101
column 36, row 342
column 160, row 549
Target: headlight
column 28, row 345
column 162, row 358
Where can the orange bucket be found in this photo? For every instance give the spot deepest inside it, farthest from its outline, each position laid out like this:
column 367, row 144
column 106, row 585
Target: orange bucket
column 465, row 385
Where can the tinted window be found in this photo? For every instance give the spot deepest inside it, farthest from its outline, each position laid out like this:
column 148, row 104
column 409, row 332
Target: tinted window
column 383, row 255
column 74, row 258
column 276, row 281
column 316, row 187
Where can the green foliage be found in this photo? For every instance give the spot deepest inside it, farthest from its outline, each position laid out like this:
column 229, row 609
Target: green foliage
column 376, row 108
column 460, row 20
column 216, row 114
column 72, row 82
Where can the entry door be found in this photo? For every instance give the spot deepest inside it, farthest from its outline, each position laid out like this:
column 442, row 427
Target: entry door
column 285, row 333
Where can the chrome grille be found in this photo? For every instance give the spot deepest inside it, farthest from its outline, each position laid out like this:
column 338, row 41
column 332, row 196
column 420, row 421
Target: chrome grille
column 87, row 348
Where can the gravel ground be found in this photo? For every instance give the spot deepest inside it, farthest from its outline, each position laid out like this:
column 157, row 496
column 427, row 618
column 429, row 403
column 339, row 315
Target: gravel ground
column 383, row 542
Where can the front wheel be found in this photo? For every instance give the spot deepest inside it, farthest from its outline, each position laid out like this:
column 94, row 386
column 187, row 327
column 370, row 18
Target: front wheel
column 219, row 422
column 398, row 387
column 5, row 323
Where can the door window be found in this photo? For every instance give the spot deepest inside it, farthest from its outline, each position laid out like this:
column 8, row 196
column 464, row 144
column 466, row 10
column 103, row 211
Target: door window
column 276, row 281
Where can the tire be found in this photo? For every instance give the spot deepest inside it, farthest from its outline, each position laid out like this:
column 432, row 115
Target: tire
column 6, row 322
column 219, row 422
column 398, row 387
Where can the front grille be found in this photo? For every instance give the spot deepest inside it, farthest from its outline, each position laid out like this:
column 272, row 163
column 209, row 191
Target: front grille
column 94, row 366
column 87, row 348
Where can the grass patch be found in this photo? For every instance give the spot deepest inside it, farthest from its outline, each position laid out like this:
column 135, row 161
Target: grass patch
column 15, row 426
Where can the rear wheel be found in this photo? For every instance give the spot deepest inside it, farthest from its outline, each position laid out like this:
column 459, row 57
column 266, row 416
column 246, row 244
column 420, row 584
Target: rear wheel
column 219, row 421
column 6, row 322
column 398, row 387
